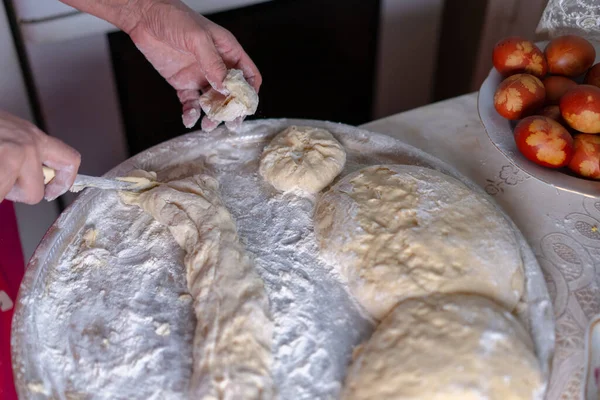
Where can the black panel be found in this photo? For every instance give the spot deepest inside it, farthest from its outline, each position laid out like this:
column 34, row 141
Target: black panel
column 317, row 58
column 462, row 24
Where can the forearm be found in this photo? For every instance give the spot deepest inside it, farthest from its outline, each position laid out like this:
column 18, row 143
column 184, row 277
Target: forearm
column 124, row 14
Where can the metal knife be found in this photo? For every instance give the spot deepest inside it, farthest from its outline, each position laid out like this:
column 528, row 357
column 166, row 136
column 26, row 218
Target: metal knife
column 85, row 181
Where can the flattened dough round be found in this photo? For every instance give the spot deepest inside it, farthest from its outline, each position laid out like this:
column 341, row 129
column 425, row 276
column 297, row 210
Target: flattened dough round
column 302, row 158
column 403, row 231
column 446, row 347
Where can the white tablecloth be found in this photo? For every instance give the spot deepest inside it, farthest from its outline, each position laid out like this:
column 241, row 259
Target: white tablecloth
column 562, row 228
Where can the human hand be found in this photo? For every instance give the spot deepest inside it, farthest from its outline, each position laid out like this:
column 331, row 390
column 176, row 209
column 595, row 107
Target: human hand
column 192, row 53
column 23, row 151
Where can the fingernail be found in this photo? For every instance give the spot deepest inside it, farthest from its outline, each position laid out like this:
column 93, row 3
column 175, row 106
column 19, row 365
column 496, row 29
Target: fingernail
column 190, row 118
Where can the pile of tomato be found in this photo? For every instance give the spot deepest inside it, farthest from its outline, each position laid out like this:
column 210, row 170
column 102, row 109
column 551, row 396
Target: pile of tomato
column 555, row 95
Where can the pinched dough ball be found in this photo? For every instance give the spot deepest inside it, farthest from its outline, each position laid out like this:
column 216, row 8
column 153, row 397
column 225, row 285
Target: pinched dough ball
column 241, row 101
column 449, row 347
column 396, row 232
column 302, row 158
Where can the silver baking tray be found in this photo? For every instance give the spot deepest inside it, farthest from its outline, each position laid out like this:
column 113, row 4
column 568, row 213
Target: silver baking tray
column 110, row 320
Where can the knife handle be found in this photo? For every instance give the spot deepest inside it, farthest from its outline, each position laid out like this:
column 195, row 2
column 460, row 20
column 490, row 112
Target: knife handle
column 49, row 174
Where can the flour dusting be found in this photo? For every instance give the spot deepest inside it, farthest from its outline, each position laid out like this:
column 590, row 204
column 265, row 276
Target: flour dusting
column 105, row 312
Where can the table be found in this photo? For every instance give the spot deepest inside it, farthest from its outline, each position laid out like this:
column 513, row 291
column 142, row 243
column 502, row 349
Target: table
column 561, row 227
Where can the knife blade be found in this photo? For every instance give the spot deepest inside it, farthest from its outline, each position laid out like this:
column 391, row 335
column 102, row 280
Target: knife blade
column 85, row 181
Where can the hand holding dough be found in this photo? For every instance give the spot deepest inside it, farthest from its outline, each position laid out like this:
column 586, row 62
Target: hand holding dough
column 302, row 158
column 240, row 101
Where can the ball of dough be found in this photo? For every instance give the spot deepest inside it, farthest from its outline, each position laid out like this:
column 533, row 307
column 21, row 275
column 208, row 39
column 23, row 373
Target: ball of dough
column 302, row 158
column 446, row 347
column 396, row 232
column 241, row 101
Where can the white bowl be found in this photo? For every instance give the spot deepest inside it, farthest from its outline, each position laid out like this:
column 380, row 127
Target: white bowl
column 500, row 132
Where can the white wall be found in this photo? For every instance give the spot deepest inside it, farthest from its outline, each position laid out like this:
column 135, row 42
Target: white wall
column 51, row 21
column 78, row 97
column 33, row 221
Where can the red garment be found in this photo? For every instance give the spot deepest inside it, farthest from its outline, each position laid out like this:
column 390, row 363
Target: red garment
column 12, row 268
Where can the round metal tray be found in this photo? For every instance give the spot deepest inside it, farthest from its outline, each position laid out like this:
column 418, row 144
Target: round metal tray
column 56, row 355
column 500, row 132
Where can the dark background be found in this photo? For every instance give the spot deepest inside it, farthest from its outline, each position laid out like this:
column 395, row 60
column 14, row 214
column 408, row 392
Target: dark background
column 319, row 65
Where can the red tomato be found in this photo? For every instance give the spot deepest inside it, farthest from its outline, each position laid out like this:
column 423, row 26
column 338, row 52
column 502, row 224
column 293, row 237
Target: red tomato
column 586, row 157
column 544, row 141
column 569, row 55
column 552, row 112
column 519, row 96
column 515, row 55
column 593, row 76
column 556, row 87
column 580, row 107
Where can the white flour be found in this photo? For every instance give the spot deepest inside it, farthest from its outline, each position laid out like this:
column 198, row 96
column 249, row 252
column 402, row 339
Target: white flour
column 129, row 326
column 114, row 321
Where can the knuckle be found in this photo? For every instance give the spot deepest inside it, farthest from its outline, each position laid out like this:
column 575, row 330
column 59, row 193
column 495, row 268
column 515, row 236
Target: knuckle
column 216, row 65
column 15, row 158
column 228, row 37
column 200, row 38
column 258, row 80
column 77, row 159
column 30, row 148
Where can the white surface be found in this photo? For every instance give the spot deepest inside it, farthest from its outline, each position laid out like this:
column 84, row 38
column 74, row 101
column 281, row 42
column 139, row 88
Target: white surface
column 79, row 100
column 33, row 221
column 36, row 9
column 408, row 45
column 557, row 224
column 590, row 391
column 50, row 20
column 64, row 29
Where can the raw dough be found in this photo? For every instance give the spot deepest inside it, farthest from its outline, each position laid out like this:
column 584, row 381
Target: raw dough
column 241, row 101
column 402, row 231
column 303, row 158
column 449, row 347
column 233, row 338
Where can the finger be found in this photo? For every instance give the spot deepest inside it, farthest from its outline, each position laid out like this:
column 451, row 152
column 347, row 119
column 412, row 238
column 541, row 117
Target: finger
column 29, row 186
column 251, row 72
column 234, row 55
column 210, row 61
column 189, row 78
column 11, row 160
column 191, row 114
column 235, row 125
column 65, row 160
column 191, row 107
column 208, row 125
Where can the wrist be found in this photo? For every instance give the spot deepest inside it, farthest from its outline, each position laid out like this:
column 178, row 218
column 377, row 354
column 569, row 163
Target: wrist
column 124, row 14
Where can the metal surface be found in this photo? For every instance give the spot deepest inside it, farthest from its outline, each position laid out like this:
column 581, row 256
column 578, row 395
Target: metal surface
column 85, row 181
column 65, row 341
column 500, row 132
